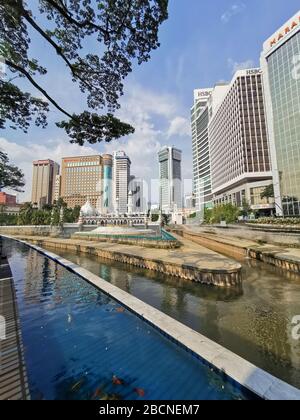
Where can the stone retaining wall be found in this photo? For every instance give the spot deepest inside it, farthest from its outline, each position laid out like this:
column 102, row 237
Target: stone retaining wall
column 220, row 278
column 261, row 234
column 214, row 244
column 273, row 257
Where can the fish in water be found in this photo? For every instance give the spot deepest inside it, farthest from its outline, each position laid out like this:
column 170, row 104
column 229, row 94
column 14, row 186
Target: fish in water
column 98, row 393
column 78, row 385
column 140, row 392
column 120, row 310
column 117, row 381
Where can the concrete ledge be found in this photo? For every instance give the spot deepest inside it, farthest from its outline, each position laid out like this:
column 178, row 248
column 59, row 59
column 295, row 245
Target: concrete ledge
column 234, row 367
column 274, row 228
column 189, row 262
column 285, row 258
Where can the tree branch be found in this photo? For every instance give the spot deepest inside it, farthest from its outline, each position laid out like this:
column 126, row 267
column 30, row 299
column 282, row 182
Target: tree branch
column 38, row 87
column 57, row 48
column 73, row 21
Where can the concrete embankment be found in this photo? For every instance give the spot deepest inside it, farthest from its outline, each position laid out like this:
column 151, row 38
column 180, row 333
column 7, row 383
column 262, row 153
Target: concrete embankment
column 285, row 258
column 190, row 262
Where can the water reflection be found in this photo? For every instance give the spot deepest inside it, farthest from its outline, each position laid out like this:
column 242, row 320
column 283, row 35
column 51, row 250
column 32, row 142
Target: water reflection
column 80, row 344
column 253, row 320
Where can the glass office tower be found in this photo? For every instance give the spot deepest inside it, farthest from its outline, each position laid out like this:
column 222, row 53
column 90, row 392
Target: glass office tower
column 281, row 66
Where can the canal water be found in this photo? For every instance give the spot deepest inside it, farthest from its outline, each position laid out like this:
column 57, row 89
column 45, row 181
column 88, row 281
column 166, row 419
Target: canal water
column 79, row 344
column 254, row 320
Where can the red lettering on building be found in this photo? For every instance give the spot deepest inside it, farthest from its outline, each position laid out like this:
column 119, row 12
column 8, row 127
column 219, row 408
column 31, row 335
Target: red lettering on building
column 287, row 30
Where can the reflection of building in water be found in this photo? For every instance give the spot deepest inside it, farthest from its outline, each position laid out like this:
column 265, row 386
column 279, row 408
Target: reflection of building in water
column 174, row 300
column 41, row 275
column 116, row 277
column 294, row 345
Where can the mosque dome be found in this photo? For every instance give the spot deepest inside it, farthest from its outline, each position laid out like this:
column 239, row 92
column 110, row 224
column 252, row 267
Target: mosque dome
column 88, row 210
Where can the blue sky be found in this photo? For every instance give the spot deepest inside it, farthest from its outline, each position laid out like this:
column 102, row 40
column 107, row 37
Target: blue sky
column 203, row 42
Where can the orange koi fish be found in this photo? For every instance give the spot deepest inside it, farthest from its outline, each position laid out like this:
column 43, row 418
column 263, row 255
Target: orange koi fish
column 117, row 381
column 140, row 392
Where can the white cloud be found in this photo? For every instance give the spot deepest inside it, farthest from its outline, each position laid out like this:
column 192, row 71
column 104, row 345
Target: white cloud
column 179, row 126
column 234, row 10
column 235, row 66
column 142, row 108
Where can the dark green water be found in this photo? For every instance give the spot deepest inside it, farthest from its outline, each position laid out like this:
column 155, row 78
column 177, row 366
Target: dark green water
column 254, row 321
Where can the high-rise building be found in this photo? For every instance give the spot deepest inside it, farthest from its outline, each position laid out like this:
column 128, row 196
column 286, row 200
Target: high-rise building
column 204, row 100
column 170, row 178
column 201, row 159
column 81, row 178
column 43, row 182
column 7, row 199
column 190, row 201
column 121, row 179
column 280, row 61
column 239, row 145
column 106, row 205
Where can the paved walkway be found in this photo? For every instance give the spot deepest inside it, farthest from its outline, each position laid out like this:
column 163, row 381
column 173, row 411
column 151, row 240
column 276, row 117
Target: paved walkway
column 13, row 378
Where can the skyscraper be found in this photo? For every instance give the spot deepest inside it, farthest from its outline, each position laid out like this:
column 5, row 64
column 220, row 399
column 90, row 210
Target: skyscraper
column 280, row 61
column 81, row 178
column 121, row 179
column 239, row 145
column 204, row 101
column 201, row 158
column 43, row 182
column 106, row 199
column 170, row 178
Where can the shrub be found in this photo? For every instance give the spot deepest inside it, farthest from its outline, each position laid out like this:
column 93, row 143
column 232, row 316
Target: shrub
column 226, row 212
column 288, row 221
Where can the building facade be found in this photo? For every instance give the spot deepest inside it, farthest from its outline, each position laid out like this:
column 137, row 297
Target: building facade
column 81, row 178
column 121, row 179
column 280, row 61
column 239, row 144
column 106, row 205
column 200, row 146
column 43, row 182
column 7, row 199
column 205, row 102
column 170, row 179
